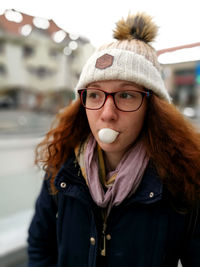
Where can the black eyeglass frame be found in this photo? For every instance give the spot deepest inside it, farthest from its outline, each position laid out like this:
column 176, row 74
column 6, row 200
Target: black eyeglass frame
column 143, row 93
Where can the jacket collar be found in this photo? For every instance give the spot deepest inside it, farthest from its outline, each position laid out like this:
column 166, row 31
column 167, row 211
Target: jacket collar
column 149, row 191
column 70, row 172
column 69, row 181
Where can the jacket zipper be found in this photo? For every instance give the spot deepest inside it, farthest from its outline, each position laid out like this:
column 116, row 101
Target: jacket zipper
column 103, row 250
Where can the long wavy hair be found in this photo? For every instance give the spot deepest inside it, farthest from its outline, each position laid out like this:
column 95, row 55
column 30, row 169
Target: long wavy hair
column 172, row 143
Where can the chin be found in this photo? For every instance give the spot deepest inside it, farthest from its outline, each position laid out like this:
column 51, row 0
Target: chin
column 112, row 147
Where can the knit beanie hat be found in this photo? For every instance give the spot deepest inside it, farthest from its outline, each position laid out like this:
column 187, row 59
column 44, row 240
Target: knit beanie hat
column 129, row 58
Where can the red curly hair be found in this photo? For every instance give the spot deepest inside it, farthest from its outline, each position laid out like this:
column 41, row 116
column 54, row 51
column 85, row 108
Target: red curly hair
column 172, row 143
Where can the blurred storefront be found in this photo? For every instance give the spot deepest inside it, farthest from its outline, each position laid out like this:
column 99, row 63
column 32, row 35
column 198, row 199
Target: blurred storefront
column 181, row 72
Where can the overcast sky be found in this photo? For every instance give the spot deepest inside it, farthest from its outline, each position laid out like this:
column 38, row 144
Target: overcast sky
column 178, row 19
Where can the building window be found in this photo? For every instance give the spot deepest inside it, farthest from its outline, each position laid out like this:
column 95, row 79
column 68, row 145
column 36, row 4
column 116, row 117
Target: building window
column 2, row 69
column 28, row 51
column 2, row 46
column 185, row 93
column 54, row 53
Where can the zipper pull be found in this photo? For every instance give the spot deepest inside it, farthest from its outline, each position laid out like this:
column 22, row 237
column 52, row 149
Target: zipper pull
column 103, row 251
column 75, row 163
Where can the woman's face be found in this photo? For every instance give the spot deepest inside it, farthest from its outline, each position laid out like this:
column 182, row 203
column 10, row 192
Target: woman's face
column 128, row 124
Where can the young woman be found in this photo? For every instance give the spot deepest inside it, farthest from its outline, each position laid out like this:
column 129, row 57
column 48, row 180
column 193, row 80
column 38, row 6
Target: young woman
column 122, row 167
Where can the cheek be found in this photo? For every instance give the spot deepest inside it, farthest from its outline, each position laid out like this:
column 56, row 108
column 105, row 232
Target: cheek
column 91, row 116
column 136, row 124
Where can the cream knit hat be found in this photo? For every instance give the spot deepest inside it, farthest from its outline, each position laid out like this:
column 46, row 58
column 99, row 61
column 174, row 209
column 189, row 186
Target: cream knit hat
column 130, row 58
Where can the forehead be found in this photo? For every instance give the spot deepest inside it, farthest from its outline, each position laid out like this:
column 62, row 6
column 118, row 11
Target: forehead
column 115, row 84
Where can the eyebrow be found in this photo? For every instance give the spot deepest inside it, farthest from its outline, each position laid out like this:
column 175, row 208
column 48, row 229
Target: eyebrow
column 130, row 84
column 94, row 85
column 122, row 84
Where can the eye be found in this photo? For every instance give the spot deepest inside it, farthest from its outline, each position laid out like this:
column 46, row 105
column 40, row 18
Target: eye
column 92, row 94
column 126, row 95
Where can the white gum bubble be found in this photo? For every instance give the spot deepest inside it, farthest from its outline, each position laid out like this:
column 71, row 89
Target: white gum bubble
column 107, row 135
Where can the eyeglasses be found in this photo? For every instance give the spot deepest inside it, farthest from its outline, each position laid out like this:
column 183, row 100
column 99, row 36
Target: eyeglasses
column 128, row 101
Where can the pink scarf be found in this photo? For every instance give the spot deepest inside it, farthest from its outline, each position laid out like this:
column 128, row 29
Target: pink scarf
column 128, row 174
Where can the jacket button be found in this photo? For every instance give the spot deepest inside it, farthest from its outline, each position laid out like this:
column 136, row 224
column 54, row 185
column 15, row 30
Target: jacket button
column 92, row 241
column 63, row 185
column 108, row 237
column 151, row 194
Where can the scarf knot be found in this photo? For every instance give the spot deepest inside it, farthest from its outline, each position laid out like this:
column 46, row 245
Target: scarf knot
column 120, row 183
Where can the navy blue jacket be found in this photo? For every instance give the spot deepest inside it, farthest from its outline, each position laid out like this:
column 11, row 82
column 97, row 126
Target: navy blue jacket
column 143, row 231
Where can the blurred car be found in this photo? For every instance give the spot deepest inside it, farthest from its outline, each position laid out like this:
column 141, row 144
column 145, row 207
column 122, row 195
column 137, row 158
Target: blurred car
column 6, row 101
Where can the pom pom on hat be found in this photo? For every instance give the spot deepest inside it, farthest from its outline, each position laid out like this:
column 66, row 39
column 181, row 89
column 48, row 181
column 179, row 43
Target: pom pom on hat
column 139, row 27
column 129, row 58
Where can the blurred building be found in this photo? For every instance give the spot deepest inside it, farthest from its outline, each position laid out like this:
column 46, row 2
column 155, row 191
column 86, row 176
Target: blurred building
column 181, row 72
column 39, row 62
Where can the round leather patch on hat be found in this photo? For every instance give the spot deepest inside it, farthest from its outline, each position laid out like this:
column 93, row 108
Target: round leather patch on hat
column 104, row 61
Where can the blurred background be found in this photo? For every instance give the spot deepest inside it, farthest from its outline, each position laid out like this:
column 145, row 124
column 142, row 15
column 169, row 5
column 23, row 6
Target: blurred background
column 40, row 63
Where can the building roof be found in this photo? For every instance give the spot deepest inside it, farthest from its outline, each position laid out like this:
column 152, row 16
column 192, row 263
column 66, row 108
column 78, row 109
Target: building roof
column 172, row 49
column 14, row 27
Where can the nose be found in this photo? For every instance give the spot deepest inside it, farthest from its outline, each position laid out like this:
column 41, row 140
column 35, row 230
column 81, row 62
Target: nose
column 109, row 111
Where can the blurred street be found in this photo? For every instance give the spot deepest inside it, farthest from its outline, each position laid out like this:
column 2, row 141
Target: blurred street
column 18, row 123
column 20, row 180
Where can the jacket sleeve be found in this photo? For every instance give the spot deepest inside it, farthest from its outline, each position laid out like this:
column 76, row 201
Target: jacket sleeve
column 191, row 253
column 42, row 241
